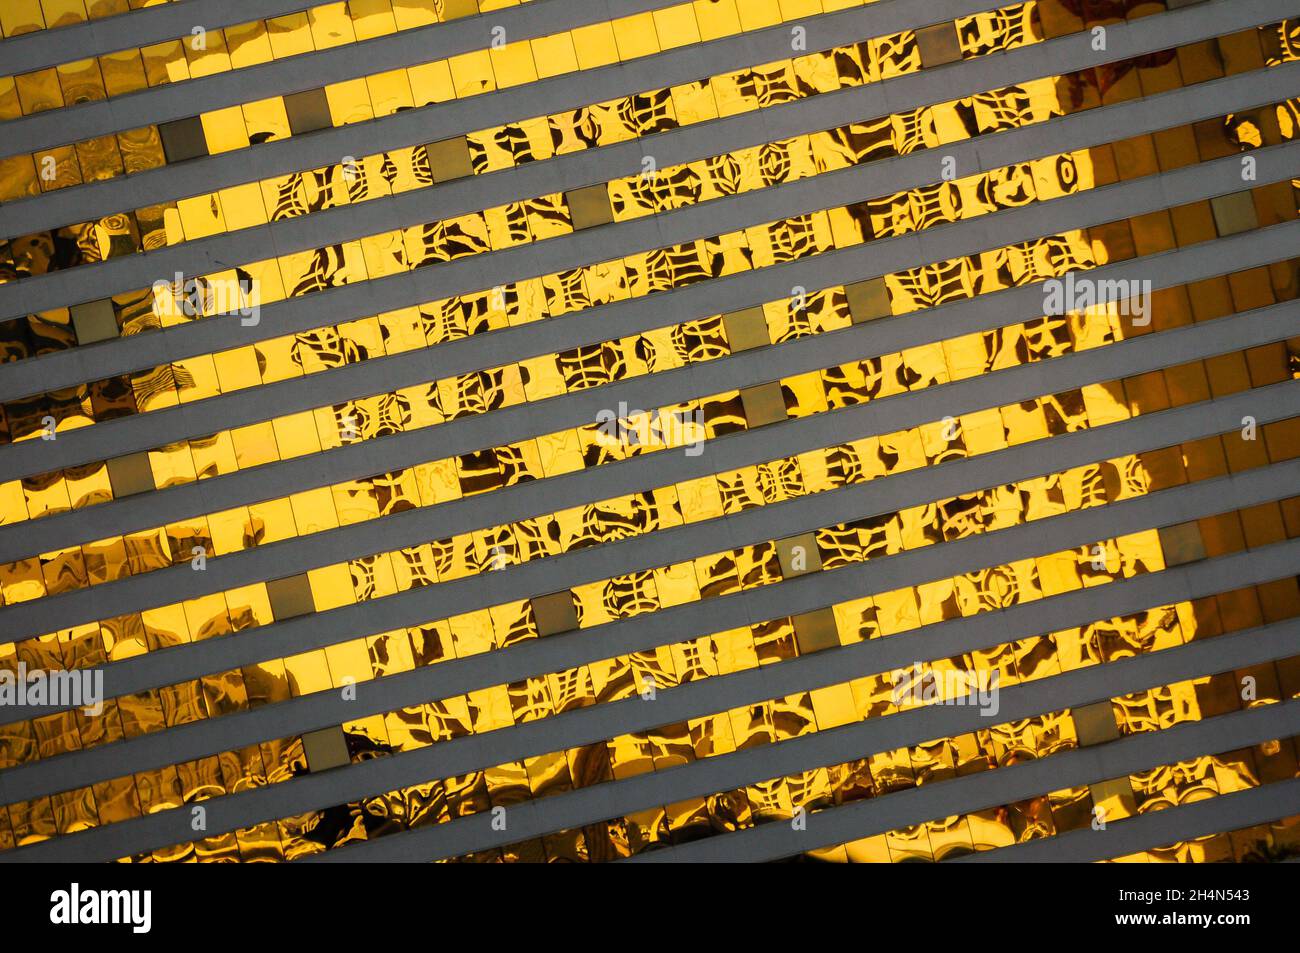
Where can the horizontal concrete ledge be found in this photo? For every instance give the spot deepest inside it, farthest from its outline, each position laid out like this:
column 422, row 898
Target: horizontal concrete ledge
column 991, row 788
column 304, row 71
column 539, row 497
column 719, row 773
column 887, row 573
column 1216, row 815
column 138, row 28
column 97, row 199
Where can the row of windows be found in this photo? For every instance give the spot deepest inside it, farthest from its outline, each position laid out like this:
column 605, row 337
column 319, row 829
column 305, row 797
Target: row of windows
column 754, row 247
column 218, row 50
column 947, row 838
column 1257, row 844
column 357, row 100
column 1108, row 801
column 489, row 150
column 764, row 801
column 30, row 16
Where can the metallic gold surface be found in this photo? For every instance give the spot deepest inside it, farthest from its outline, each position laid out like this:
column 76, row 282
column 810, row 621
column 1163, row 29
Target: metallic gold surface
column 340, row 596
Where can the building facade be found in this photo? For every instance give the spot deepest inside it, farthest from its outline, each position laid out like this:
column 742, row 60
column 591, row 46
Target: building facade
column 589, row 430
